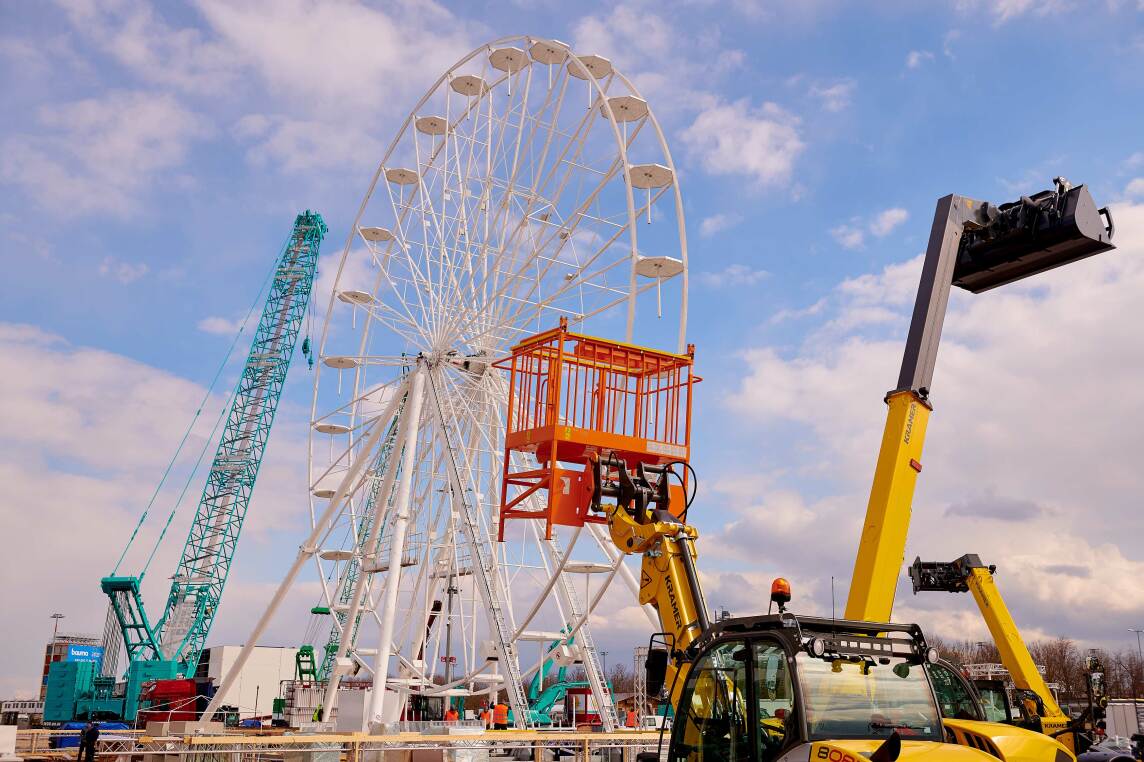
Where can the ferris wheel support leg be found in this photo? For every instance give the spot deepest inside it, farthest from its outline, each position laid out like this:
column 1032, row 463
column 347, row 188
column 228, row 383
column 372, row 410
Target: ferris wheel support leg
column 407, row 446
column 330, row 700
column 305, row 552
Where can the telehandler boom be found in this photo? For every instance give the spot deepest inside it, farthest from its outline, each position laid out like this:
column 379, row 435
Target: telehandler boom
column 969, row 575
column 975, row 246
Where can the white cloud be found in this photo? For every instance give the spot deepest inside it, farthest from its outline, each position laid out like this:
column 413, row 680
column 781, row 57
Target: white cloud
column 717, row 223
column 835, row 97
column 101, row 155
column 848, row 236
column 732, row 275
column 1007, row 10
column 738, row 139
column 643, row 46
column 1135, row 188
column 1023, row 375
column 124, row 272
column 304, row 145
column 342, row 60
column 916, row 58
column 852, row 235
column 947, row 41
column 87, row 435
column 219, row 325
column 883, row 224
column 136, row 36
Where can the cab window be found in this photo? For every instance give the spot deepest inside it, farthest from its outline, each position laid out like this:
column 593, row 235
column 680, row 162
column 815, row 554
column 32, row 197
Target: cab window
column 711, row 724
column 995, row 702
column 953, row 697
column 774, row 696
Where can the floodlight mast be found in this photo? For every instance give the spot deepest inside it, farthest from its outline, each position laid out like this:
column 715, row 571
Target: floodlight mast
column 976, row 246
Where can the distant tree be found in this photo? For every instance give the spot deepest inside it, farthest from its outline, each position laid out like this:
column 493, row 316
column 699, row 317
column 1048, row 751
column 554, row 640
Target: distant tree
column 622, row 678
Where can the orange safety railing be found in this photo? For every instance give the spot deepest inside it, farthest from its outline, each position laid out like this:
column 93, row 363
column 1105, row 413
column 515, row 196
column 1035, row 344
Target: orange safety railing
column 571, row 396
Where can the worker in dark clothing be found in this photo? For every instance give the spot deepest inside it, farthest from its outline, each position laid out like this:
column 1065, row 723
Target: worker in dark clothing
column 87, row 738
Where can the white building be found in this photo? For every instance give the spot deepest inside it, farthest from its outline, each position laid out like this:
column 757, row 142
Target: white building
column 259, row 682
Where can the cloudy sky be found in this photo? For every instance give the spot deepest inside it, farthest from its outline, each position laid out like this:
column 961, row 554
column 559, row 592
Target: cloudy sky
column 152, row 158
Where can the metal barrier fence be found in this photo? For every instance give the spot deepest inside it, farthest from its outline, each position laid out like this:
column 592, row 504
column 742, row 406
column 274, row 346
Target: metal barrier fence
column 465, row 746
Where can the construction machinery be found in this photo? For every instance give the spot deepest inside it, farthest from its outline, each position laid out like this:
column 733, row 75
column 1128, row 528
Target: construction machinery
column 171, row 647
column 975, row 246
column 968, row 574
column 745, row 688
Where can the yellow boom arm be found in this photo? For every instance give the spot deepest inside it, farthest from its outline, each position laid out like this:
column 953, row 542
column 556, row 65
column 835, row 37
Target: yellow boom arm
column 969, row 574
column 639, row 522
column 883, row 545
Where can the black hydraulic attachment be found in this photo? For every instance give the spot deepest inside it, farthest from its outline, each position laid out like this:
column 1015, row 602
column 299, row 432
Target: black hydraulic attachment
column 635, row 494
column 945, row 576
column 1035, row 233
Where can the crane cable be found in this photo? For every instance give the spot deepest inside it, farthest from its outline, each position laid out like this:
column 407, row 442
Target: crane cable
column 187, row 434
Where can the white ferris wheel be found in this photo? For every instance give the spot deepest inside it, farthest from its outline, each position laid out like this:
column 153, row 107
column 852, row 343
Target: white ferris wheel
column 531, row 183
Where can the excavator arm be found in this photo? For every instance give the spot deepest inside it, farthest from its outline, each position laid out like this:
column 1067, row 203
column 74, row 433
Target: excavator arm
column 641, row 521
column 969, row 574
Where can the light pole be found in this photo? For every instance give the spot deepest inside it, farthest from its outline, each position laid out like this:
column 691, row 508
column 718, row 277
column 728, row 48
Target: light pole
column 1139, row 667
column 605, row 655
column 56, row 626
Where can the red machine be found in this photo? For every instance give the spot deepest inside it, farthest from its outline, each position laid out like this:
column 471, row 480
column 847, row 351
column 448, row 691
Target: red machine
column 168, row 701
column 574, row 397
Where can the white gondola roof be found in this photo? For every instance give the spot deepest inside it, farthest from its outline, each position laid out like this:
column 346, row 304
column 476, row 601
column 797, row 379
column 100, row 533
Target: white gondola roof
column 548, row 51
column 352, row 296
column 431, row 125
column 511, row 60
column 468, row 84
column 377, row 234
column 650, row 176
column 341, row 362
column 401, row 176
column 597, row 66
column 325, row 427
column 627, row 108
column 659, row 267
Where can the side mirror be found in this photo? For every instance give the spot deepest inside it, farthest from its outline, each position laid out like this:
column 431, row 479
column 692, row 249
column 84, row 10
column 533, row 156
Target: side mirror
column 655, row 667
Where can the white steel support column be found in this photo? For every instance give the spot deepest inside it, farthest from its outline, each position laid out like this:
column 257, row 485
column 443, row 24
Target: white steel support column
column 306, row 551
column 330, row 701
column 407, row 446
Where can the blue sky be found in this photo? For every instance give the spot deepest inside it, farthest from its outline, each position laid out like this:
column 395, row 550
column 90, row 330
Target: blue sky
column 152, row 159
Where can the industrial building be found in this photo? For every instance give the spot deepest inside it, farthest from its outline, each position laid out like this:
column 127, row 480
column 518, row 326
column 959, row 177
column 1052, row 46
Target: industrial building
column 70, row 648
column 260, row 680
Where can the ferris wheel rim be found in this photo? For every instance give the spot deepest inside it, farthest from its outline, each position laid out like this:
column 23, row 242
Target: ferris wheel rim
column 605, row 107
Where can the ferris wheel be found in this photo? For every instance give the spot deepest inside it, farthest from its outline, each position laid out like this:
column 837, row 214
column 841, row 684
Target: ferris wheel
column 530, row 184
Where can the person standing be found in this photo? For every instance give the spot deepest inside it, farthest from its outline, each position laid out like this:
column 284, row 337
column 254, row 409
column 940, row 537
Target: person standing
column 486, row 716
column 87, row 739
column 500, row 716
column 82, row 742
column 451, row 714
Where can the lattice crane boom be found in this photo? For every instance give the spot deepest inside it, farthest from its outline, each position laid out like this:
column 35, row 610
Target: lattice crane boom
column 197, row 586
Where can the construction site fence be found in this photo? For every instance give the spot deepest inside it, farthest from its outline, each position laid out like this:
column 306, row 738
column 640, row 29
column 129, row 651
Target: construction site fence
column 519, row 746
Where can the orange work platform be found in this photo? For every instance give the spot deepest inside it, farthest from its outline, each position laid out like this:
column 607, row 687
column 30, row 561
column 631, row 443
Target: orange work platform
column 572, row 396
